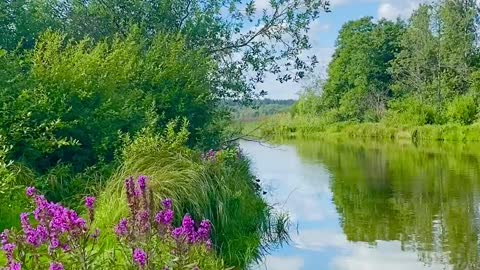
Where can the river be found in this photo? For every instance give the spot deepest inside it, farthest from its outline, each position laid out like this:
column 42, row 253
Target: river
column 371, row 205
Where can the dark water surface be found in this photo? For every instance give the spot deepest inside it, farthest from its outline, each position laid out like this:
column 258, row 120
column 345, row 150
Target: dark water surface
column 358, row 205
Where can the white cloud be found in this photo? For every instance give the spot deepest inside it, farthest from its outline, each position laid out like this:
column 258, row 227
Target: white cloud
column 392, row 9
column 262, row 4
column 389, row 9
column 319, row 240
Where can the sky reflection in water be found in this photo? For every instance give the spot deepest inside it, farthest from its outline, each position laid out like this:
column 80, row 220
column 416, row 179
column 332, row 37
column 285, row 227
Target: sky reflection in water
column 372, row 206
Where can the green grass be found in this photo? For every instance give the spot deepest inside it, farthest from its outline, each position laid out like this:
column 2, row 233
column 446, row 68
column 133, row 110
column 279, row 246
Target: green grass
column 220, row 191
column 314, row 127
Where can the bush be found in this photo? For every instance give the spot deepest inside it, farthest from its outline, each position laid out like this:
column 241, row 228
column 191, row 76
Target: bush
column 65, row 106
column 462, row 110
column 413, row 112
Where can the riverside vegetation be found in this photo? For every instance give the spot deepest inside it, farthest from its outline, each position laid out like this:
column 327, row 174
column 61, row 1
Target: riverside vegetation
column 415, row 79
column 93, row 92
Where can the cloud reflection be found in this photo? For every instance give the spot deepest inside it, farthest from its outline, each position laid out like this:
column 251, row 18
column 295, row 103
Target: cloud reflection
column 283, row 263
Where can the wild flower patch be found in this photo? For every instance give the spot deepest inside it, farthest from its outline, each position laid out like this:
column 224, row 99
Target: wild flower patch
column 54, row 237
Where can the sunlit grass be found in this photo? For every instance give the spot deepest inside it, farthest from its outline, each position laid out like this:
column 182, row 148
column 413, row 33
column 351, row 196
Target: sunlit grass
column 221, row 191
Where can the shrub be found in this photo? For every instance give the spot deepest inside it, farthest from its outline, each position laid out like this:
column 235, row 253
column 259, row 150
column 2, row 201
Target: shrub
column 413, row 112
column 462, row 110
column 65, row 105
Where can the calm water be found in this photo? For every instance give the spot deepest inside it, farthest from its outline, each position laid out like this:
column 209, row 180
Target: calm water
column 358, row 205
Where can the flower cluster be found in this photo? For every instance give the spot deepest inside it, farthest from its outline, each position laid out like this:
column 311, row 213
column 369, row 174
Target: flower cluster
column 140, row 227
column 8, row 249
column 188, row 233
column 211, row 155
column 53, row 225
column 224, row 155
column 55, row 237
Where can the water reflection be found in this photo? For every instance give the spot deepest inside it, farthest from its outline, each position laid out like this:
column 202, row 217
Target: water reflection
column 374, row 205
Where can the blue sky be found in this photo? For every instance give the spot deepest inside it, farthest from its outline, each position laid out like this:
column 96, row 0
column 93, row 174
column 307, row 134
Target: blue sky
column 324, row 32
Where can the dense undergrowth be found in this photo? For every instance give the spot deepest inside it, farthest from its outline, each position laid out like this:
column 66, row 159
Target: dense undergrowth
column 217, row 186
column 314, row 127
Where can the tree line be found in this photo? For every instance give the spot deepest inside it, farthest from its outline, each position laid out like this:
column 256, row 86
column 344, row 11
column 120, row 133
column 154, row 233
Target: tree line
column 424, row 70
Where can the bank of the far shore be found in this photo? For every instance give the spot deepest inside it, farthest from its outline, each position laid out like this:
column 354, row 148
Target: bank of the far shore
column 311, row 127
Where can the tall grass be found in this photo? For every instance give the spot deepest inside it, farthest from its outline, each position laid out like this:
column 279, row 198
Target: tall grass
column 316, row 127
column 221, row 191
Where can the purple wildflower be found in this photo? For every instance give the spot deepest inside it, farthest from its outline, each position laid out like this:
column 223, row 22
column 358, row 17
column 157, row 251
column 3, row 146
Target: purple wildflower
column 130, row 189
column 188, row 223
column 210, row 155
column 90, row 203
column 142, row 183
column 167, row 203
column 15, row 266
column 30, row 191
column 9, row 249
column 4, row 237
column 54, row 242
column 143, row 220
column 177, row 233
column 56, row 266
column 209, row 244
column 24, row 221
column 121, row 230
column 164, row 217
column 203, row 232
column 140, row 257
column 187, row 230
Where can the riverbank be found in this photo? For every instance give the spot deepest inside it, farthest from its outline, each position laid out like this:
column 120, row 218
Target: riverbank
column 217, row 186
column 312, row 127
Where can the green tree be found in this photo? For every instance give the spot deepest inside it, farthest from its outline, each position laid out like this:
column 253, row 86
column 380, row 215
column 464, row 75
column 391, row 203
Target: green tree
column 358, row 79
column 457, row 46
column 247, row 42
column 416, row 66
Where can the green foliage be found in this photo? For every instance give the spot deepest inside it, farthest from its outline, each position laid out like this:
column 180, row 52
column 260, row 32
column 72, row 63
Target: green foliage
column 66, row 113
column 420, row 72
column 218, row 27
column 309, row 102
column 220, row 190
column 83, row 82
column 258, row 109
column 462, row 110
column 358, row 78
column 13, row 178
column 412, row 111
